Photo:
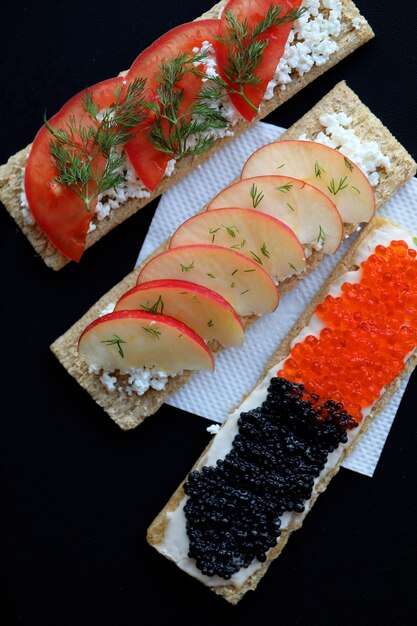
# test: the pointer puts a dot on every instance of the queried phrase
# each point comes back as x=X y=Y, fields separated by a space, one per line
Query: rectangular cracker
x=156 y=530
x=129 y=412
x=11 y=173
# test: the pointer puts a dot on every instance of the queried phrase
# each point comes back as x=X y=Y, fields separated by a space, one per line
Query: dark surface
x=77 y=494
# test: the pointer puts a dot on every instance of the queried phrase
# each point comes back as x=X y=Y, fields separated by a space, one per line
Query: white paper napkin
x=237 y=370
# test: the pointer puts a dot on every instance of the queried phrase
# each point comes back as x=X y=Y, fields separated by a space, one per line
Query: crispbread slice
x=157 y=529
x=128 y=412
x=349 y=39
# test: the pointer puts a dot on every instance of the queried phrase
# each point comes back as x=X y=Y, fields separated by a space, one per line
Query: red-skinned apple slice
x=325 y=168
x=127 y=339
x=306 y=210
x=241 y=281
x=203 y=310
x=257 y=235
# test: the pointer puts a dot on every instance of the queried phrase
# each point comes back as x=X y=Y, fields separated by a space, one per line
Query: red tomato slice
x=148 y=162
x=254 y=11
x=57 y=210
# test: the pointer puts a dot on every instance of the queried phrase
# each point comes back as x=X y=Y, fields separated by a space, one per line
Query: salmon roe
x=369 y=330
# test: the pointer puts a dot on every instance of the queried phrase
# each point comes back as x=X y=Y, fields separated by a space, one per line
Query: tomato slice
x=254 y=11
x=148 y=162
x=58 y=211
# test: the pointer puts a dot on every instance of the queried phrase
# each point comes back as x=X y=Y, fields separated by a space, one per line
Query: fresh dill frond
x=115 y=341
x=152 y=332
x=187 y=268
x=335 y=188
x=257 y=196
x=322 y=235
x=265 y=251
x=245 y=49
x=153 y=308
x=75 y=148
x=177 y=130
x=285 y=188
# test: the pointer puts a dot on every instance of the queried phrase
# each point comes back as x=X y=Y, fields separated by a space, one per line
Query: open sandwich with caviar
x=278 y=450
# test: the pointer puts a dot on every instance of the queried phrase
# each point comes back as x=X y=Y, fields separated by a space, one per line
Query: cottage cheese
x=358 y=22
x=310 y=42
x=113 y=198
x=213 y=429
x=223 y=105
x=134 y=381
x=338 y=133
x=23 y=203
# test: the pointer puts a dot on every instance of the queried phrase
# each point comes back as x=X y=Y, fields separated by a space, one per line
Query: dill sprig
x=334 y=187
x=322 y=235
x=152 y=332
x=179 y=132
x=74 y=149
x=153 y=308
x=257 y=196
x=245 y=49
x=115 y=341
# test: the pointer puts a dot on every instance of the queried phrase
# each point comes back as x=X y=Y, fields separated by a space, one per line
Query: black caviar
x=233 y=510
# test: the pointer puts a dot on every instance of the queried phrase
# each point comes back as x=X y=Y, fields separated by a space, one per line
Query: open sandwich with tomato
x=118 y=144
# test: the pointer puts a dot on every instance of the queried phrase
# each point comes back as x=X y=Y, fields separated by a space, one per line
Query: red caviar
x=370 y=329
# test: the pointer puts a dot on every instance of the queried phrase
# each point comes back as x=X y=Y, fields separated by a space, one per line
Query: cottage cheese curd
x=27 y=214
x=338 y=133
x=311 y=41
x=134 y=380
x=113 y=198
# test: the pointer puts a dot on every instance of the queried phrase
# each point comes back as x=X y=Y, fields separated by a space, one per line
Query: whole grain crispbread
x=157 y=529
x=129 y=412
x=348 y=40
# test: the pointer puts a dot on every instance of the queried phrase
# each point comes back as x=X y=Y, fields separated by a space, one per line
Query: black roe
x=233 y=510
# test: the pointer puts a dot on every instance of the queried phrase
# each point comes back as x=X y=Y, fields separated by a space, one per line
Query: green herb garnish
x=177 y=131
x=348 y=164
x=284 y=188
x=318 y=170
x=75 y=149
x=153 y=308
x=245 y=49
x=187 y=268
x=153 y=332
x=257 y=196
x=265 y=251
x=115 y=341
x=341 y=185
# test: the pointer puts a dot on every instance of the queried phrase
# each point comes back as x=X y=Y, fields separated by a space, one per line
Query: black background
x=77 y=494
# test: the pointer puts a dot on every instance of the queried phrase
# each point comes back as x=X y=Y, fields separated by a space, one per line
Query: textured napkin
x=238 y=369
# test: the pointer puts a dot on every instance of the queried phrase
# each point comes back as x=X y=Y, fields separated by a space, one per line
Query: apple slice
x=126 y=339
x=203 y=310
x=307 y=211
x=325 y=168
x=243 y=282
x=257 y=235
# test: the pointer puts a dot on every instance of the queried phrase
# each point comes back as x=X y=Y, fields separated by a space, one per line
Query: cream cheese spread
x=175 y=543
